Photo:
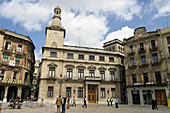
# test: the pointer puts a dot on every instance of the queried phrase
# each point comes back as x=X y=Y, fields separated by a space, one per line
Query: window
x=7 y=46
x=143 y=59
x=112 y=92
x=132 y=60
x=91 y=57
x=69 y=73
x=5 y=58
x=169 y=50
x=91 y=73
x=155 y=57
x=68 y=91
x=133 y=78
x=102 y=93
x=112 y=75
x=131 y=48
x=15 y=75
x=80 y=74
x=113 y=47
x=111 y=59
x=141 y=46
x=17 y=60
x=80 y=92
x=53 y=54
x=2 y=74
x=81 y=56
x=168 y=39
x=153 y=44
x=122 y=61
x=158 y=77
x=101 y=58
x=70 y=55
x=50 y=91
x=145 y=78
x=51 y=71
x=102 y=75
x=19 y=49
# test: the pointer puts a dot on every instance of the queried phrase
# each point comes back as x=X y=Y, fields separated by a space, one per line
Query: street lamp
x=60 y=81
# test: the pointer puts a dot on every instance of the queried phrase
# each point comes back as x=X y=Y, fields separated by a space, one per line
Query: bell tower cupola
x=55 y=32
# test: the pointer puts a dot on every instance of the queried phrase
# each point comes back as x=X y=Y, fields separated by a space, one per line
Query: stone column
x=5 y=94
x=141 y=97
x=87 y=92
x=19 y=92
x=129 y=97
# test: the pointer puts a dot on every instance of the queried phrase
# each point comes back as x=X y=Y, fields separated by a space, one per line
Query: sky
x=88 y=23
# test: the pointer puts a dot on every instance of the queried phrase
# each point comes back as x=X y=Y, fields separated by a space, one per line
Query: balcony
x=131 y=52
x=4 y=62
x=19 y=53
x=7 y=51
x=132 y=66
x=143 y=64
x=141 y=50
x=92 y=78
x=156 y=62
x=153 y=48
x=15 y=81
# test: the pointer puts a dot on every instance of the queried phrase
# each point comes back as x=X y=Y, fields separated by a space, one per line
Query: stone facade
x=146 y=66
x=16 y=65
x=79 y=71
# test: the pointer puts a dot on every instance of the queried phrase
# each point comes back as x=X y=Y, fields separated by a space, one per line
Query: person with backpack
x=63 y=104
x=116 y=102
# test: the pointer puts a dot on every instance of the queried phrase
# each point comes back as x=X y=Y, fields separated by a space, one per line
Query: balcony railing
x=143 y=64
x=156 y=62
x=19 y=53
x=93 y=78
x=131 y=52
x=132 y=66
x=153 y=48
x=7 y=51
x=14 y=81
x=141 y=50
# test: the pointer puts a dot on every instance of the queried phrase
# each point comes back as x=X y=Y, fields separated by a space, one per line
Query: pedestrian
x=58 y=103
x=85 y=100
x=63 y=104
x=156 y=107
x=108 y=100
x=111 y=100
x=154 y=104
x=74 y=101
x=116 y=102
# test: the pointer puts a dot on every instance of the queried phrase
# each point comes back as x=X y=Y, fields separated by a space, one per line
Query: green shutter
x=17 y=58
x=5 y=56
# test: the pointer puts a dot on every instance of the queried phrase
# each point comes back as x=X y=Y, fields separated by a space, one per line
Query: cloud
x=160 y=7
x=38 y=54
x=125 y=32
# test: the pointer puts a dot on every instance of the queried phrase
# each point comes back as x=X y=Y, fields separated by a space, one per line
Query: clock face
x=55 y=34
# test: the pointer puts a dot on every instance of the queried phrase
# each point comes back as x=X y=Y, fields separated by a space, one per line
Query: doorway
x=135 y=96
x=92 y=94
x=2 y=90
x=160 y=97
x=12 y=93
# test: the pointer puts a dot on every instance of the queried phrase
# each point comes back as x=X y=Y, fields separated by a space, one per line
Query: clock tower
x=55 y=33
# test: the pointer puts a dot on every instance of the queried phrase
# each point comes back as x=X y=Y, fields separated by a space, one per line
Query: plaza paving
x=92 y=108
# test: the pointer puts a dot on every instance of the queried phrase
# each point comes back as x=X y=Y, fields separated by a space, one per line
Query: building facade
x=35 y=82
x=79 y=71
x=16 y=65
x=146 y=66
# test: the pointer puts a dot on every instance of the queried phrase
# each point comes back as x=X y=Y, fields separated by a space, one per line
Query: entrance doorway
x=12 y=93
x=160 y=96
x=2 y=90
x=92 y=94
x=135 y=97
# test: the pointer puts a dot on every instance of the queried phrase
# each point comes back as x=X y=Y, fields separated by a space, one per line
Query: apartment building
x=16 y=65
x=146 y=66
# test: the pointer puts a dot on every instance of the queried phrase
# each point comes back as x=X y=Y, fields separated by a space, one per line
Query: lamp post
x=60 y=81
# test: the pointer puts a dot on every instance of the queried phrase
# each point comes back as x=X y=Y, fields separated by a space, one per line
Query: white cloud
x=162 y=7
x=38 y=54
x=125 y=32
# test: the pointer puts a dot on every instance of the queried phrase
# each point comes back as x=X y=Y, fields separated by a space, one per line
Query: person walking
x=108 y=100
x=111 y=100
x=156 y=107
x=116 y=102
x=154 y=104
x=58 y=103
x=85 y=100
x=74 y=101
x=63 y=104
